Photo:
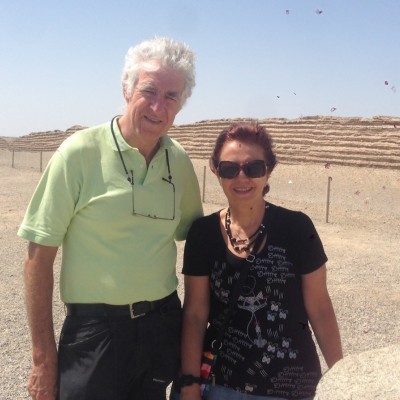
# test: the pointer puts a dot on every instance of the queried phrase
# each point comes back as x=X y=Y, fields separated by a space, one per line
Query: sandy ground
x=361 y=239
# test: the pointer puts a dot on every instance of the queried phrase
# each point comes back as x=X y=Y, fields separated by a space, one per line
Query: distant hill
x=365 y=142
x=40 y=141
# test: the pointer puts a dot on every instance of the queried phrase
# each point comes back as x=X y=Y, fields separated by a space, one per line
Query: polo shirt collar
x=165 y=141
x=118 y=136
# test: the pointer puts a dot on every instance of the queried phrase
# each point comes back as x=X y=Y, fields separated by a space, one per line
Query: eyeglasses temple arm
x=130 y=179
x=169 y=169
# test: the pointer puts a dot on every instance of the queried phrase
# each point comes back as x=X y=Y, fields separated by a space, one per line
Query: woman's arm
x=195 y=318
x=321 y=315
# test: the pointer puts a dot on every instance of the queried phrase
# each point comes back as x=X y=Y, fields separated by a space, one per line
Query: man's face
x=154 y=103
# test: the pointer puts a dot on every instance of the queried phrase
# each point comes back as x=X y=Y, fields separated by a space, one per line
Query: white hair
x=168 y=53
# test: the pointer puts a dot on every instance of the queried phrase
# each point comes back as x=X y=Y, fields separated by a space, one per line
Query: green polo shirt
x=84 y=203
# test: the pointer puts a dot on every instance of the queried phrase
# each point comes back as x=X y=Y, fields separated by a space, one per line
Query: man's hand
x=42 y=384
x=38 y=280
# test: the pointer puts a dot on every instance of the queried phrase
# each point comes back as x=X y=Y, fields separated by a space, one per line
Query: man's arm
x=38 y=279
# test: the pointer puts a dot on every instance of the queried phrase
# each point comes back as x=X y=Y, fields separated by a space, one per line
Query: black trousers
x=120 y=358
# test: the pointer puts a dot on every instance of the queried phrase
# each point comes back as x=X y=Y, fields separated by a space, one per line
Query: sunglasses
x=252 y=169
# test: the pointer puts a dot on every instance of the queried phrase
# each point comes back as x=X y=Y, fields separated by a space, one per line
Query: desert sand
x=361 y=239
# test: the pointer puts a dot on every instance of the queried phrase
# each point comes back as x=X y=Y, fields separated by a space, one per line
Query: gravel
x=361 y=240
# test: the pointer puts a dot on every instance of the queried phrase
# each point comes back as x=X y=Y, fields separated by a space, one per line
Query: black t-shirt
x=268 y=348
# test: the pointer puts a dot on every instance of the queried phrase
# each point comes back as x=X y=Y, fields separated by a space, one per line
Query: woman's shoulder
x=281 y=215
x=204 y=232
x=208 y=221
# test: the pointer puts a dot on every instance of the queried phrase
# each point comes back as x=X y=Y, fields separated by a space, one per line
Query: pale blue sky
x=61 y=61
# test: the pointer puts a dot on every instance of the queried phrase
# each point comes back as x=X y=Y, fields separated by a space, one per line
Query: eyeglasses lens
x=252 y=169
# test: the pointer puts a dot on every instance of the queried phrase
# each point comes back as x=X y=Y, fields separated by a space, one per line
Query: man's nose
x=158 y=103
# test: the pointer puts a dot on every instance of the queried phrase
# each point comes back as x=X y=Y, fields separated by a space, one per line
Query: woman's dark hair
x=252 y=133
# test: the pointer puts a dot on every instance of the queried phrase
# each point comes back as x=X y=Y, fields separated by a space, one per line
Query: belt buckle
x=132 y=311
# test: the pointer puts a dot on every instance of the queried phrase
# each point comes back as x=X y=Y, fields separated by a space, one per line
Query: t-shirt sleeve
x=311 y=253
x=52 y=205
x=197 y=248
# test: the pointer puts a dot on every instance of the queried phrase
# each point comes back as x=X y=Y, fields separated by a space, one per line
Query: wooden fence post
x=204 y=183
x=328 y=196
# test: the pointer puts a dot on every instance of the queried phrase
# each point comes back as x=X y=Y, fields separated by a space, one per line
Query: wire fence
x=323 y=193
x=37 y=160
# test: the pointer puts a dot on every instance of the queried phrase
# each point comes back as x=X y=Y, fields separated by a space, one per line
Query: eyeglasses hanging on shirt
x=131 y=180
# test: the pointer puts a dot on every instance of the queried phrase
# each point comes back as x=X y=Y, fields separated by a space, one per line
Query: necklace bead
x=238 y=244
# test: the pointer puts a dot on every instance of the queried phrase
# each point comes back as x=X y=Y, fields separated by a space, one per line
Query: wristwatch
x=187 y=380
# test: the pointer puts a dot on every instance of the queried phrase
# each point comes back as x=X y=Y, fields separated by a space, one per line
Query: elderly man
x=116 y=197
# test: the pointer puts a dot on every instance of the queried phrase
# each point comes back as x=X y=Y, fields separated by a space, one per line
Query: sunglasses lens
x=255 y=169
x=228 y=169
x=252 y=169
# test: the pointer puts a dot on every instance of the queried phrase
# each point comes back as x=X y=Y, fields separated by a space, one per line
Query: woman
x=267 y=351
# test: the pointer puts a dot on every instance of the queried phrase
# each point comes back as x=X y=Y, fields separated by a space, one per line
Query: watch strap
x=188 y=380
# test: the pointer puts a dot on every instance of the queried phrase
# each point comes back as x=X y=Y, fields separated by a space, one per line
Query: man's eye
x=148 y=91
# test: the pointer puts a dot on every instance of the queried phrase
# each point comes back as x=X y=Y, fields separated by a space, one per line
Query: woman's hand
x=191 y=392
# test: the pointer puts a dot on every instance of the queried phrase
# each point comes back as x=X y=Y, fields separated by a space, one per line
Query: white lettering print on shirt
x=276 y=270
x=263 y=301
x=263 y=336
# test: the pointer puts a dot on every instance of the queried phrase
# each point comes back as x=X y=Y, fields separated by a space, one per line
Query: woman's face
x=242 y=190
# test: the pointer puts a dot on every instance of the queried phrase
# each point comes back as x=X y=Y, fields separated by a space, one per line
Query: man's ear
x=126 y=97
x=125 y=92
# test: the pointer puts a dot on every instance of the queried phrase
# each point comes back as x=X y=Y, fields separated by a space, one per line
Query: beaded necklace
x=238 y=244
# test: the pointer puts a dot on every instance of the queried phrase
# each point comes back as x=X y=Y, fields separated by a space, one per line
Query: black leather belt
x=133 y=310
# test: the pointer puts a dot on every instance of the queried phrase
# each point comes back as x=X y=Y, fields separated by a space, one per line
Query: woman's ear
x=212 y=167
x=267 y=187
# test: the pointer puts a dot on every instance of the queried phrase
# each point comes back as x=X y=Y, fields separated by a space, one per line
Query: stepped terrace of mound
x=350 y=141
